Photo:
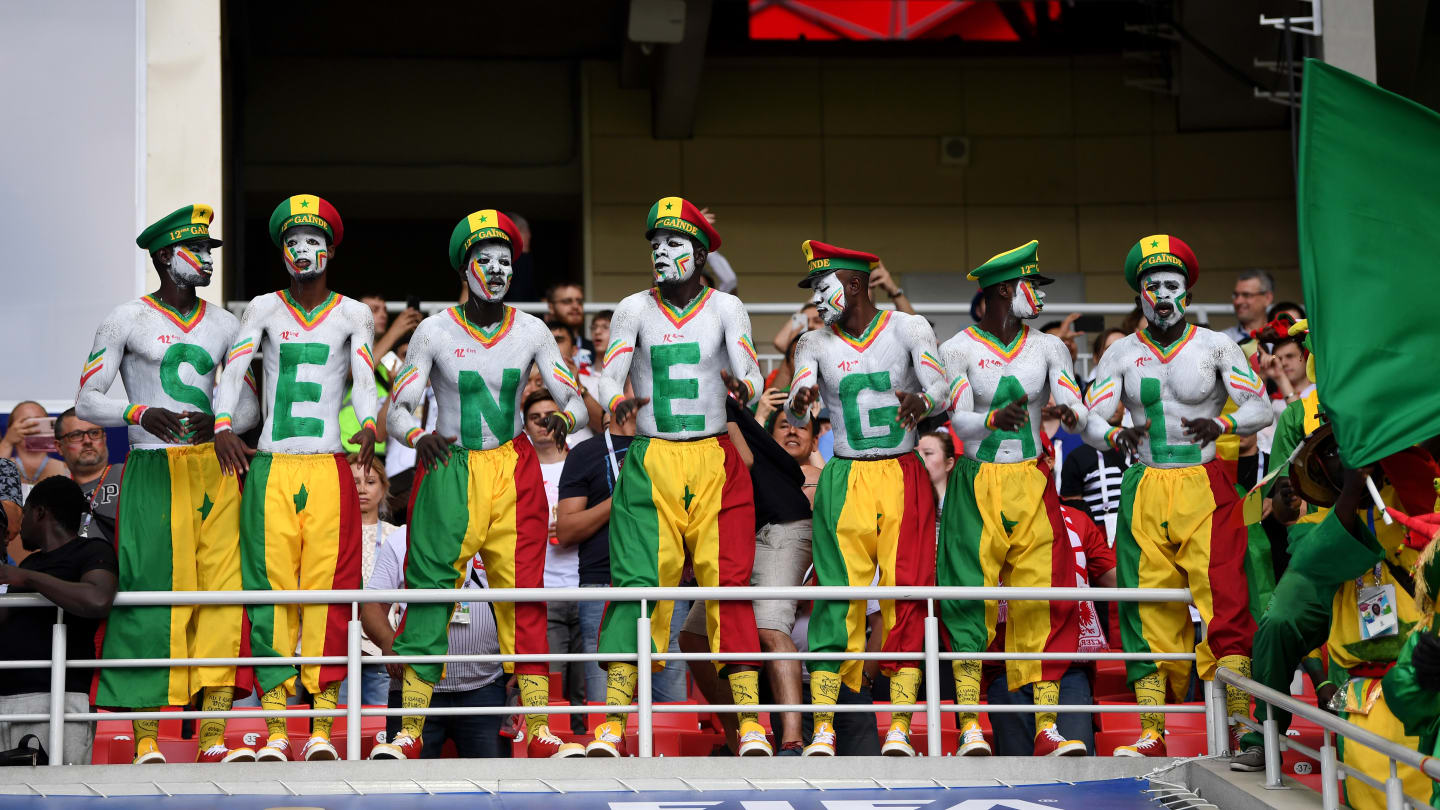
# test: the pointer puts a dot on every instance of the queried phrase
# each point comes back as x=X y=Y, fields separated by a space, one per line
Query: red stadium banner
x=969 y=20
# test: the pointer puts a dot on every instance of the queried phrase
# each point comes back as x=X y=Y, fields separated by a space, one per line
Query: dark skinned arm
x=91 y=597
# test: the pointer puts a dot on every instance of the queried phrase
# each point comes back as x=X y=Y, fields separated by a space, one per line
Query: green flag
x=1369 y=225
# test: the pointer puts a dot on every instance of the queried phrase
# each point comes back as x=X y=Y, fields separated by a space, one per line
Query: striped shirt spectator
x=472 y=629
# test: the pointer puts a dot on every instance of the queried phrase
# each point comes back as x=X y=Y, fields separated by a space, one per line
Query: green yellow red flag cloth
x=1368 y=208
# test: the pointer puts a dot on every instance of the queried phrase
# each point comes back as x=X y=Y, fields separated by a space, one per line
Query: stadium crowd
x=983 y=463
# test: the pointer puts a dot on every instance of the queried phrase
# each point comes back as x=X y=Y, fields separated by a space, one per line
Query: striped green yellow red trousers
x=490 y=502
x=1183 y=527
x=177 y=529
x=672 y=498
x=875 y=514
x=1002 y=523
x=299 y=530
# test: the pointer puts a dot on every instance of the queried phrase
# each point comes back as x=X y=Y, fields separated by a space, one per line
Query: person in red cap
x=684 y=489
x=1181 y=522
x=300 y=515
x=879 y=373
x=477 y=481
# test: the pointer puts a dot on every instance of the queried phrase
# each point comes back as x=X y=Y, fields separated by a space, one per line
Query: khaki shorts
x=782 y=556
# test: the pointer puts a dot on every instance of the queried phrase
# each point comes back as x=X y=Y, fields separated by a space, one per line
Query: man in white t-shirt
x=562 y=563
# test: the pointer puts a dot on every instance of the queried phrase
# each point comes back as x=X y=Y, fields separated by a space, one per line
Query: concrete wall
x=848 y=152
x=68 y=186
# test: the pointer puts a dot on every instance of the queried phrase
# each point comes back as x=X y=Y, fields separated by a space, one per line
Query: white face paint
x=829 y=298
x=1163 y=297
x=673 y=256
x=190 y=264
x=488 y=270
x=1027 y=301
x=306 y=250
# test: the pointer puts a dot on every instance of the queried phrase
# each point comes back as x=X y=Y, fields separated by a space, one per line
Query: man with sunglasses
x=82 y=445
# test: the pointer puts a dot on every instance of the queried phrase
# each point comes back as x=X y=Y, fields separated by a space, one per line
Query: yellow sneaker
x=147 y=752
x=1150 y=744
x=609 y=740
x=972 y=741
x=822 y=744
x=753 y=742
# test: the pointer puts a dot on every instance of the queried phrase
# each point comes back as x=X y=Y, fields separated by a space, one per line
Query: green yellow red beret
x=821 y=258
x=677 y=214
x=1161 y=250
x=1020 y=262
x=306 y=209
x=181 y=225
x=484 y=224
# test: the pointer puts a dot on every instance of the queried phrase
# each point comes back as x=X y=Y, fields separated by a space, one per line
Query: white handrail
x=1390 y=749
x=831 y=592
x=644 y=707
x=1202 y=311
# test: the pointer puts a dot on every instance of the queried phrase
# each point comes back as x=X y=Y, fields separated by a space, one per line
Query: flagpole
x=1379 y=504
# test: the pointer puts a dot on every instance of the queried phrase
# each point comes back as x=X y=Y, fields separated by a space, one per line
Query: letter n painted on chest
x=478 y=409
x=855 y=424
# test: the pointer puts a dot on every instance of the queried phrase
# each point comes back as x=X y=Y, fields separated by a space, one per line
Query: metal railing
x=1202 y=311
x=1330 y=766
x=644 y=706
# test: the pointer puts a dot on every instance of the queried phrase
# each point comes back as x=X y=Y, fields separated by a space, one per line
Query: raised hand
x=558 y=428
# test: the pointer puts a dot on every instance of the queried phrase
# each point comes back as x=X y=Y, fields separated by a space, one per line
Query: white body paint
x=441 y=350
x=1038 y=364
x=829 y=298
x=135 y=340
x=488 y=270
x=1028 y=300
x=1163 y=287
x=190 y=264
x=672 y=255
x=858 y=384
x=1193 y=383
x=308 y=398
x=685 y=354
x=306 y=250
